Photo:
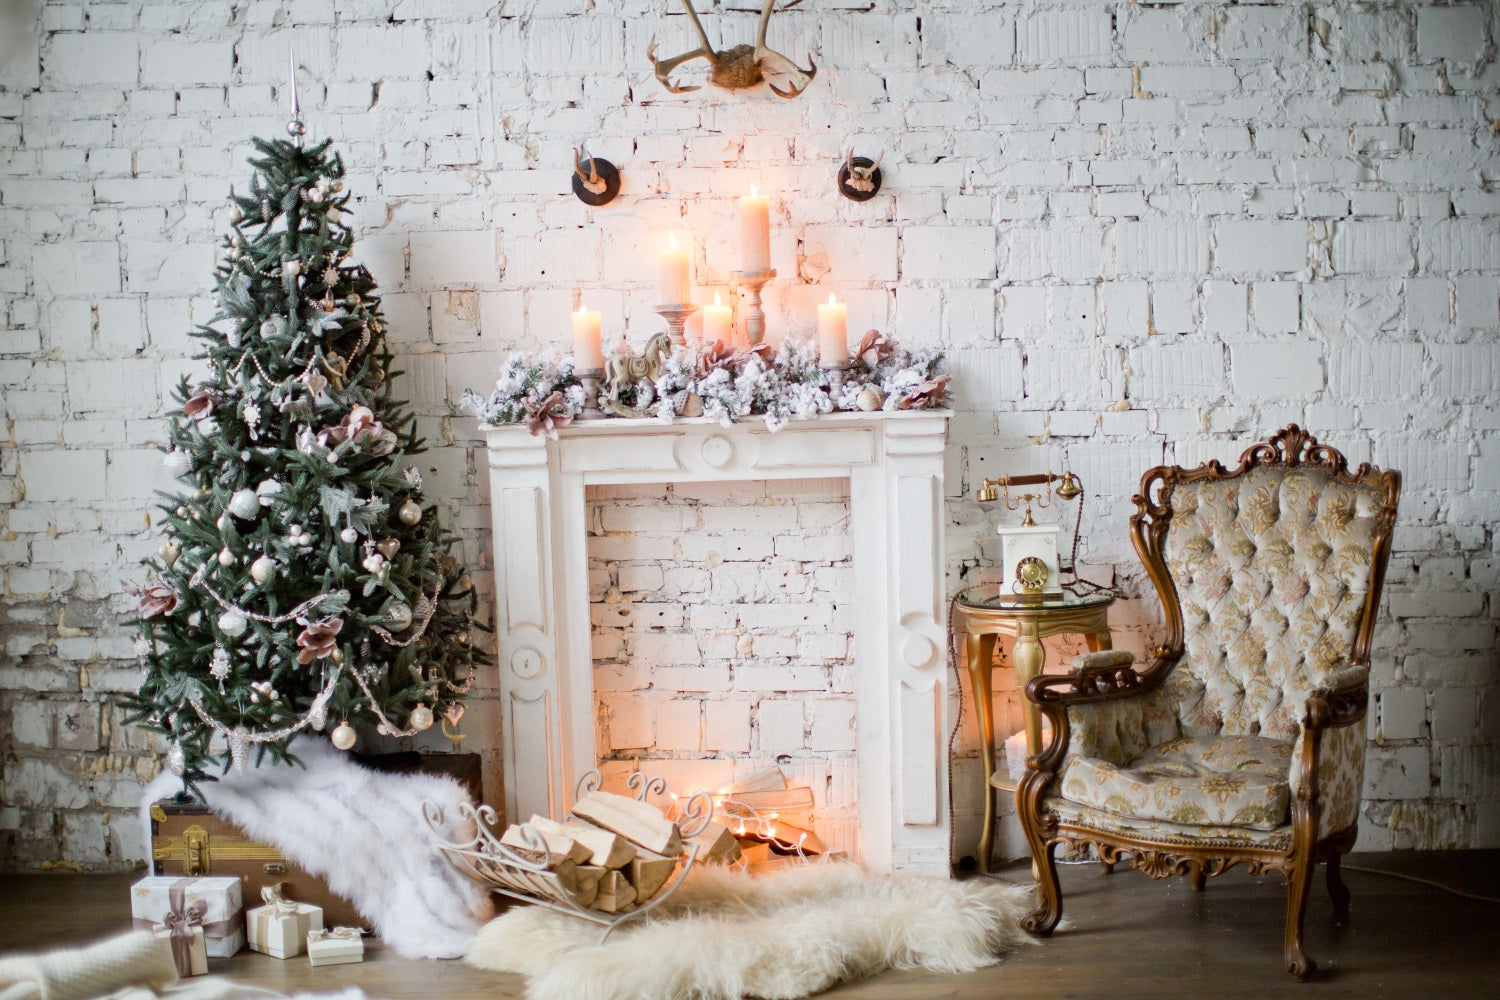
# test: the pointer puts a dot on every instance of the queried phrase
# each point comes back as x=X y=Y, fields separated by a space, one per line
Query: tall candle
x=755 y=232
x=718 y=319
x=587 y=350
x=674 y=275
x=833 y=338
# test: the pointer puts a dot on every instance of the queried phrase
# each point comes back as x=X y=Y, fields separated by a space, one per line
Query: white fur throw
x=364 y=833
x=725 y=934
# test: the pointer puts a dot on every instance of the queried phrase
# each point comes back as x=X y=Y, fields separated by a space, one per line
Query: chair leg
x=1199 y=878
x=1337 y=890
x=1299 y=881
x=1042 y=920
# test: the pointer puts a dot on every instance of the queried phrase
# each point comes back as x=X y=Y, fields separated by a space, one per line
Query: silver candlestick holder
x=836 y=371
x=676 y=314
x=592 y=379
x=755 y=317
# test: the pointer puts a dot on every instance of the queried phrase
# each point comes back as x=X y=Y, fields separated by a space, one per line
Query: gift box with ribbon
x=173 y=905
x=338 y=946
x=280 y=927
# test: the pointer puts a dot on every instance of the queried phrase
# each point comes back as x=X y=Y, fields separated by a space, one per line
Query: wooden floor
x=1124 y=936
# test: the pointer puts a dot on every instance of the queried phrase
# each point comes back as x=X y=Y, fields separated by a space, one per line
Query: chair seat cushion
x=1209 y=781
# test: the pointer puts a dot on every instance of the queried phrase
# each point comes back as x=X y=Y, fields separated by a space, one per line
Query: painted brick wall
x=1142 y=232
x=723 y=641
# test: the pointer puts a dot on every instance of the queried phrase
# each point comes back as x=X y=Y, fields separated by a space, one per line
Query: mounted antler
x=591 y=181
x=737 y=68
x=861 y=177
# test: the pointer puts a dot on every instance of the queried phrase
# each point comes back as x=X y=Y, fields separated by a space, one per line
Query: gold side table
x=987 y=615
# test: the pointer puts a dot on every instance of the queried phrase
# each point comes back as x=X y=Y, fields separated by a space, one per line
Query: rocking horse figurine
x=625 y=370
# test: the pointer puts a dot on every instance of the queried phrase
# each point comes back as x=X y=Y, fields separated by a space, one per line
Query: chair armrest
x=1101 y=676
x=1341 y=700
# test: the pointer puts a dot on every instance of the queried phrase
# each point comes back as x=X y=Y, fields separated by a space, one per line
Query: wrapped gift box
x=280 y=927
x=185 y=945
x=212 y=903
x=340 y=946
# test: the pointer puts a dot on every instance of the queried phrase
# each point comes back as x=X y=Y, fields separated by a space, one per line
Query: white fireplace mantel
x=894 y=464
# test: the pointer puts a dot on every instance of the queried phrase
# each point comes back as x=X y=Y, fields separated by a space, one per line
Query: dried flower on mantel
x=725 y=384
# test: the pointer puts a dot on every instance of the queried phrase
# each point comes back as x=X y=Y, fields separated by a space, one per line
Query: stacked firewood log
x=614 y=853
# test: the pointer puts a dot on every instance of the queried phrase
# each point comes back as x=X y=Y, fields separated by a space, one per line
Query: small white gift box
x=280 y=927
x=212 y=903
x=339 y=946
x=185 y=944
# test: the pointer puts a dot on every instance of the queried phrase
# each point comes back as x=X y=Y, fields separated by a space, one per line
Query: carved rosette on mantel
x=894 y=464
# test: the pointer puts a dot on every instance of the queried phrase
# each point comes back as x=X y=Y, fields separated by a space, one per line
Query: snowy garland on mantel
x=543 y=391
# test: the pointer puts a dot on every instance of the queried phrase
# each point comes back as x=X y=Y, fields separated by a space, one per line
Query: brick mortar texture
x=1141 y=232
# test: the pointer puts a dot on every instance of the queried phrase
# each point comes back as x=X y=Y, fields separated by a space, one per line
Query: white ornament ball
x=226 y=558
x=262 y=569
x=292 y=267
x=178 y=462
x=169 y=551
x=374 y=562
x=304 y=540
x=266 y=491
x=208 y=427
x=409 y=512
x=235 y=213
x=399 y=615
x=232 y=624
x=343 y=736
x=244 y=503
x=293 y=530
x=421 y=717
x=349 y=536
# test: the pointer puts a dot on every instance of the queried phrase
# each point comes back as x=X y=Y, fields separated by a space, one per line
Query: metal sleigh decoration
x=524 y=875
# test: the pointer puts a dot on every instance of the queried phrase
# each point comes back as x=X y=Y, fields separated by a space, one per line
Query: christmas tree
x=302 y=582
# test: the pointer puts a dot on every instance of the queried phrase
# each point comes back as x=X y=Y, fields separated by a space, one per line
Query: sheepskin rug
x=364 y=833
x=726 y=934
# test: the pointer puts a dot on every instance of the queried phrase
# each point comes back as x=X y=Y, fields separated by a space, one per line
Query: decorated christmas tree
x=302 y=583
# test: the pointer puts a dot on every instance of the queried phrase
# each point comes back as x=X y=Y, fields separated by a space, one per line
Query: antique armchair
x=1242 y=742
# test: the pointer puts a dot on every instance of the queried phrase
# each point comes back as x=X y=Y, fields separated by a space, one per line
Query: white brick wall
x=752 y=668
x=1136 y=241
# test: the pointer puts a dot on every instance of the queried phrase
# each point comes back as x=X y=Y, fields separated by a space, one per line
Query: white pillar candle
x=587 y=352
x=675 y=287
x=833 y=339
x=718 y=321
x=755 y=232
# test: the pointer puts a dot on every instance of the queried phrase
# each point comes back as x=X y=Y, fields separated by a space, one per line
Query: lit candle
x=718 y=320
x=755 y=232
x=674 y=275
x=833 y=339
x=587 y=352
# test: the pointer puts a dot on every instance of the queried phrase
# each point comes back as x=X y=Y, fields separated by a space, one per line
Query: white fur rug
x=363 y=832
x=792 y=933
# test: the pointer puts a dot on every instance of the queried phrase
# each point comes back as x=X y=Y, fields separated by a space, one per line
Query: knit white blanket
x=364 y=833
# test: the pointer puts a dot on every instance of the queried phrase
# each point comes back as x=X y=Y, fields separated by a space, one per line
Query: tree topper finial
x=294 y=127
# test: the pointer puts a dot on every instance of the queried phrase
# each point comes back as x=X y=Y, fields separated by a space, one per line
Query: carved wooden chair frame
x=1323 y=710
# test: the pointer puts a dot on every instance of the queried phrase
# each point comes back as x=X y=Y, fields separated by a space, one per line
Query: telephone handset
x=1029 y=556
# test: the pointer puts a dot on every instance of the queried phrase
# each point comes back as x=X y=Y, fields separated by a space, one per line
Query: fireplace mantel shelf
x=894 y=464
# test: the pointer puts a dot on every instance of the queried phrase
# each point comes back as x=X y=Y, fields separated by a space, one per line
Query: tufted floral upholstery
x=1272 y=570
x=1270 y=574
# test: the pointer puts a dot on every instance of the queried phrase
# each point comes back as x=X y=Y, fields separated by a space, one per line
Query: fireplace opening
x=722 y=639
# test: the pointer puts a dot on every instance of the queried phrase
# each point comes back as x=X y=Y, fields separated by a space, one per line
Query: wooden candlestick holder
x=750 y=283
x=676 y=314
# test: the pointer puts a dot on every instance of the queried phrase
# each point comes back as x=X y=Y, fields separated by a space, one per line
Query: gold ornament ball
x=343 y=736
x=409 y=513
x=421 y=717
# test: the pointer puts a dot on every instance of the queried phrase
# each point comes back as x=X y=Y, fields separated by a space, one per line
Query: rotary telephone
x=1029 y=554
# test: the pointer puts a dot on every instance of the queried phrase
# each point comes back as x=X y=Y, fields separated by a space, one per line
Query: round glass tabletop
x=990 y=598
